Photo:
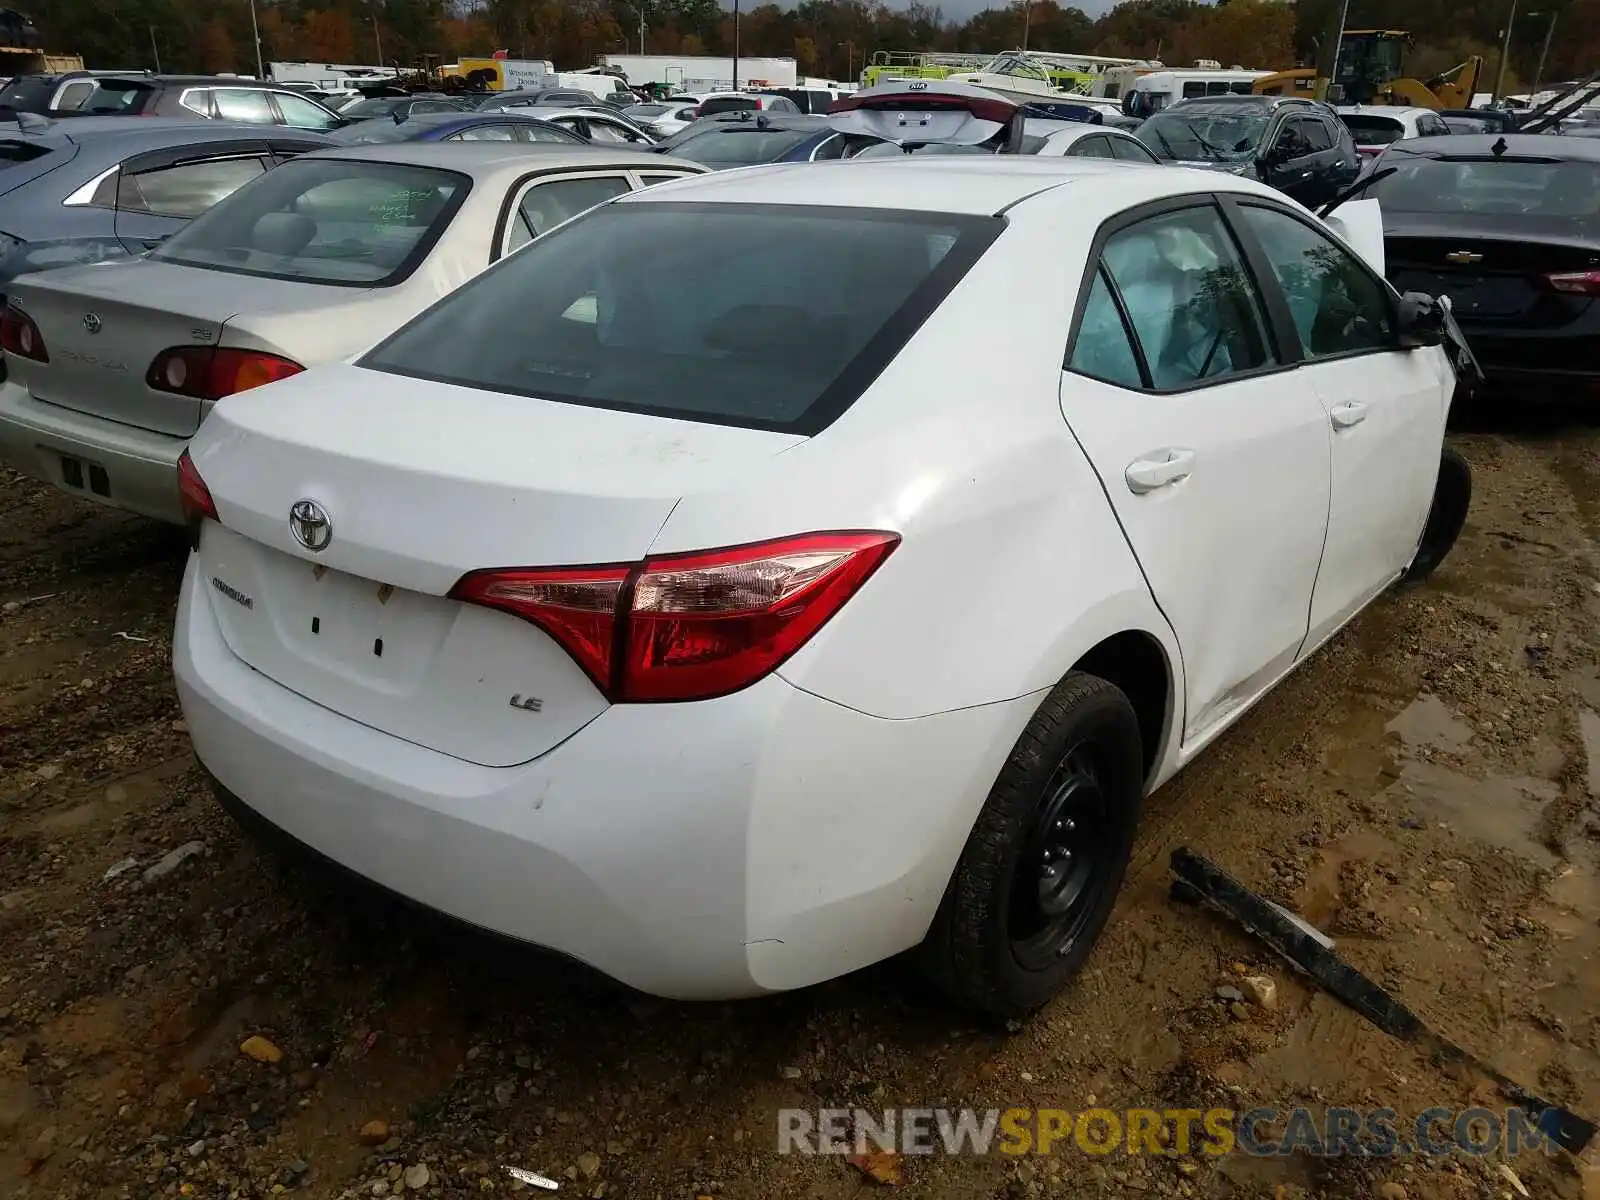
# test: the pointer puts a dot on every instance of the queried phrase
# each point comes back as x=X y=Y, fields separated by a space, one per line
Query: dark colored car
x=102 y=187
x=539 y=97
x=457 y=127
x=1300 y=147
x=401 y=108
x=1507 y=226
x=46 y=95
x=1483 y=120
x=743 y=139
x=814 y=101
x=208 y=97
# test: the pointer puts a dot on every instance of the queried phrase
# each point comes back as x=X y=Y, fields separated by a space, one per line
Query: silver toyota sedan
x=113 y=367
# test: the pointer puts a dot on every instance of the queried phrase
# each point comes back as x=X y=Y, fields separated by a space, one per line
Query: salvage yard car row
x=769 y=571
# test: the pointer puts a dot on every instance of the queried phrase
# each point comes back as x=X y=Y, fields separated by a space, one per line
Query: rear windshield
x=29 y=93
x=1374 y=131
x=380 y=107
x=1488 y=186
x=722 y=104
x=765 y=316
x=369 y=133
x=117 y=96
x=740 y=147
x=325 y=221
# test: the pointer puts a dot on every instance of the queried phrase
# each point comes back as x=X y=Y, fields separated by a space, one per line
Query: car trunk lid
x=104 y=325
x=421 y=483
x=1494 y=270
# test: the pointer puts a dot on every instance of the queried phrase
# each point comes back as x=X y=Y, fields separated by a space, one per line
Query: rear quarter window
x=763 y=316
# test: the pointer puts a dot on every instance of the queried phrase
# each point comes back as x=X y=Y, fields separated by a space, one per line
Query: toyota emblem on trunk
x=91 y=322
x=311 y=525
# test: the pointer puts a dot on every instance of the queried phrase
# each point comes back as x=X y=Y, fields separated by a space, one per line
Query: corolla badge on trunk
x=91 y=322
x=311 y=525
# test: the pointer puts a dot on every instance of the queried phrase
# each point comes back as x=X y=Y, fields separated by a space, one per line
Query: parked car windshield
x=324 y=221
x=749 y=315
x=1197 y=131
x=1489 y=186
x=737 y=147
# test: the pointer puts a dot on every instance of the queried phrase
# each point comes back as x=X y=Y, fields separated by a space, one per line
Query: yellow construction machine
x=1369 y=71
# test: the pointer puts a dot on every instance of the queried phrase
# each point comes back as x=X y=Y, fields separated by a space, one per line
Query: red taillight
x=210 y=372
x=1576 y=283
x=20 y=336
x=1374 y=151
x=688 y=626
x=193 y=494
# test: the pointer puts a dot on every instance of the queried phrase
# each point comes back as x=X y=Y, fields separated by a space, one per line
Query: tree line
x=828 y=38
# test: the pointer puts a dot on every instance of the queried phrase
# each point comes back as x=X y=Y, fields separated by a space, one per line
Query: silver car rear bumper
x=91 y=457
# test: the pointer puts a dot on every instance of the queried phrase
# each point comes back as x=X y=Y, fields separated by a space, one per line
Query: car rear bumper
x=761 y=841
x=119 y=465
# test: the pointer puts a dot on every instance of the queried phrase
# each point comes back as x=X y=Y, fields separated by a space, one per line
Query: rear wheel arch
x=1137 y=664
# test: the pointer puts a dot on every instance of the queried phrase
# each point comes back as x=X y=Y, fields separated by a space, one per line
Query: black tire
x=1452 y=496
x=996 y=944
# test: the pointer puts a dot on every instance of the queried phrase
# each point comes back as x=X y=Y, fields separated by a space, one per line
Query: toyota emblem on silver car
x=91 y=322
x=311 y=525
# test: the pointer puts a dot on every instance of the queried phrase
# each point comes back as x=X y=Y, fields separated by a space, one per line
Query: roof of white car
x=484 y=159
x=980 y=184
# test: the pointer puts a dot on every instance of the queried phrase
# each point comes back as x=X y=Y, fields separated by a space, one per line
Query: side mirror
x=1421 y=320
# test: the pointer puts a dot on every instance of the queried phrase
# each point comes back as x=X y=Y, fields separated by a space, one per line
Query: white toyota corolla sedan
x=773 y=571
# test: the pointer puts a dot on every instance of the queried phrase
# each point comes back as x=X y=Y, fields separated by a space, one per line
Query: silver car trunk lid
x=421 y=483
x=104 y=325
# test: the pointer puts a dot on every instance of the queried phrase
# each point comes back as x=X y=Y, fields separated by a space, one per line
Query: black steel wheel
x=1041 y=868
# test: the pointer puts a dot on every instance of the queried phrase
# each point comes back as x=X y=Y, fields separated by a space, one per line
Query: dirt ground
x=1427 y=790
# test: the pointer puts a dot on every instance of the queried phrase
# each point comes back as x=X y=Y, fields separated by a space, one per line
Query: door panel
x=1385 y=409
x=1220 y=483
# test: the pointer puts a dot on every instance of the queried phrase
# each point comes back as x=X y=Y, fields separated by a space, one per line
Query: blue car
x=456 y=127
x=97 y=188
x=743 y=139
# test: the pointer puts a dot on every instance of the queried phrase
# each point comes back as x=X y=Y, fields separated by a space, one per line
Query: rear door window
x=118 y=96
x=1192 y=304
x=332 y=221
x=754 y=315
x=546 y=203
x=187 y=189
x=244 y=104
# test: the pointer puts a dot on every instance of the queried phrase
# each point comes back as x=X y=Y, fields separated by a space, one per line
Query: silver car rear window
x=329 y=221
x=768 y=316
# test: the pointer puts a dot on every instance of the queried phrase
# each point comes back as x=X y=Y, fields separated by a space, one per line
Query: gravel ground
x=1422 y=790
